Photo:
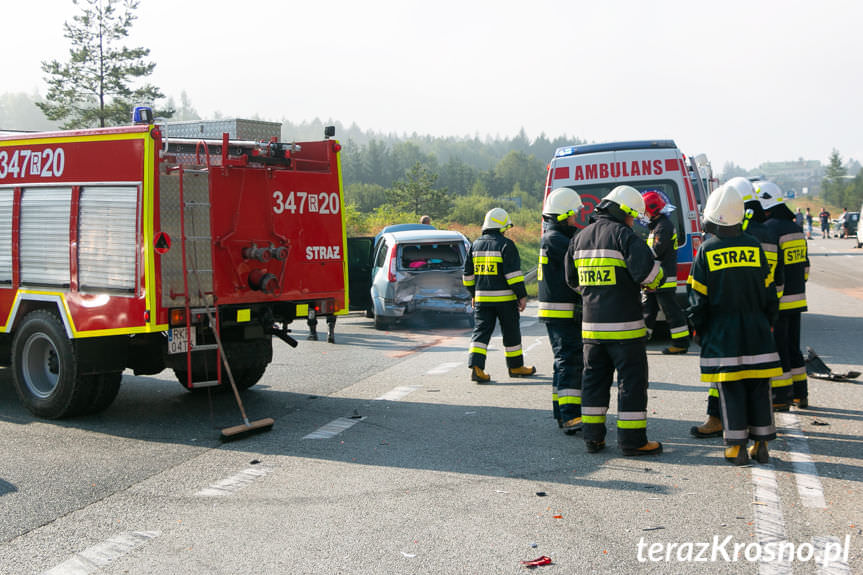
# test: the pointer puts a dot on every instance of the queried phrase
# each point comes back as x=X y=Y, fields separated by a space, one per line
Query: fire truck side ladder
x=192 y=269
x=209 y=301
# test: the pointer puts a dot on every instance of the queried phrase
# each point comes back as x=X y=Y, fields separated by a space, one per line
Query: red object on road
x=544 y=560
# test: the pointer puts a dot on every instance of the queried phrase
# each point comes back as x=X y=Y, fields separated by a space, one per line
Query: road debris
x=544 y=560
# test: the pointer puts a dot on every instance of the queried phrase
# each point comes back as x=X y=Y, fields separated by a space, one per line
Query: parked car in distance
x=418 y=271
x=846 y=225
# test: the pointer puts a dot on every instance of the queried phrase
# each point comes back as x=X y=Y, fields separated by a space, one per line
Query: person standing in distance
x=608 y=263
x=663 y=241
x=732 y=303
x=560 y=306
x=492 y=275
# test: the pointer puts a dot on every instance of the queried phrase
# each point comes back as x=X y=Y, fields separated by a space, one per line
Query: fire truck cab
x=593 y=170
x=128 y=248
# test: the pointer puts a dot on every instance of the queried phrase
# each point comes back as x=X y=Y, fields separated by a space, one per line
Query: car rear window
x=426 y=256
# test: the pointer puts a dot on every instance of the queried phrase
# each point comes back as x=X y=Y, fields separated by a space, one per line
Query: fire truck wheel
x=249 y=360
x=44 y=367
x=105 y=387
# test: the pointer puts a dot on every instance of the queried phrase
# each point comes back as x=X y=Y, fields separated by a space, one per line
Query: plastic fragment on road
x=540 y=494
x=544 y=560
x=409 y=555
x=816 y=368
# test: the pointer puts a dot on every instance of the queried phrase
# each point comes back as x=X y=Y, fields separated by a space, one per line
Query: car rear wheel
x=382 y=323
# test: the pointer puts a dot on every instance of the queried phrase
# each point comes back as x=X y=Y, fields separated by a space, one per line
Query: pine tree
x=834 y=179
x=94 y=87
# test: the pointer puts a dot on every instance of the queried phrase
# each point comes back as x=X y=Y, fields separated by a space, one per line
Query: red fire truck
x=128 y=248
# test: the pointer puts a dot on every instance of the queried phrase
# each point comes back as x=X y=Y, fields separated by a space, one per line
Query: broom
x=246 y=428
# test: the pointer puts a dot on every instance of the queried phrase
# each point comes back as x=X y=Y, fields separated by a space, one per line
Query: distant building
x=795 y=175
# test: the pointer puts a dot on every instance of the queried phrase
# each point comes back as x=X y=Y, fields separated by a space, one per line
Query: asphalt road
x=385 y=458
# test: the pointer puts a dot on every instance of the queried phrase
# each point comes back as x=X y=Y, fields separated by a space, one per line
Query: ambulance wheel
x=45 y=366
x=105 y=387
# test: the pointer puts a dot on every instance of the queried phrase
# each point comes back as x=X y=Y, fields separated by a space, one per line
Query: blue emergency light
x=142 y=115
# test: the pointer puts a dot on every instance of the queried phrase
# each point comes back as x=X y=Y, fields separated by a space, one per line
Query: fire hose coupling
x=280 y=253
x=261 y=280
x=255 y=253
x=264 y=255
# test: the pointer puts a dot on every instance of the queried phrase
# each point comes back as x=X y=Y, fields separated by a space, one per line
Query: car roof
x=403 y=227
x=425 y=235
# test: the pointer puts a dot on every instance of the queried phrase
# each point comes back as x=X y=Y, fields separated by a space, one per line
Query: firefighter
x=608 y=263
x=312 y=322
x=753 y=224
x=794 y=253
x=492 y=275
x=560 y=306
x=663 y=241
x=732 y=304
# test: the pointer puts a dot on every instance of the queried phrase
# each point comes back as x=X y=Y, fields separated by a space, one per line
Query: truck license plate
x=177 y=340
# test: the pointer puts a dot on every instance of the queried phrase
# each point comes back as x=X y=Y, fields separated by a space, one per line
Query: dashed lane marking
x=398 y=393
x=805 y=472
x=443 y=368
x=234 y=483
x=94 y=558
x=831 y=565
x=341 y=424
x=533 y=345
x=769 y=523
x=333 y=428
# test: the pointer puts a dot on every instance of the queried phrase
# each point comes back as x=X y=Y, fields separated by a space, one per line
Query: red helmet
x=653 y=203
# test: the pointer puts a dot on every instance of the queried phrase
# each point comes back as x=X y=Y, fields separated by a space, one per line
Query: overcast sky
x=742 y=81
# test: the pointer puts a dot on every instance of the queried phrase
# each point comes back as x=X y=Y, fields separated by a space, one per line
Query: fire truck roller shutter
x=45 y=371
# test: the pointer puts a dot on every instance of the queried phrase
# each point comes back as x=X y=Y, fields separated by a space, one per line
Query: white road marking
x=443 y=368
x=94 y=558
x=398 y=393
x=341 y=424
x=533 y=345
x=234 y=483
x=769 y=523
x=333 y=428
x=836 y=566
x=805 y=473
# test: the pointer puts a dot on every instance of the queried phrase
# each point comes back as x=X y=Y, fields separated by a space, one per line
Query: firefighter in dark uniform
x=608 y=263
x=753 y=224
x=492 y=275
x=794 y=253
x=663 y=241
x=732 y=304
x=560 y=306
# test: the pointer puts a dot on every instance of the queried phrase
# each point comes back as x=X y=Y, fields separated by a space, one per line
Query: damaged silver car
x=419 y=271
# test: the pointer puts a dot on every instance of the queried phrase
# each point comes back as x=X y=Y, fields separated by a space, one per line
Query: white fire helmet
x=497 y=219
x=743 y=187
x=628 y=199
x=769 y=194
x=724 y=207
x=562 y=203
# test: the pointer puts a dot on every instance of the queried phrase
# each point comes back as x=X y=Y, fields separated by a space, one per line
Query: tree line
x=838 y=188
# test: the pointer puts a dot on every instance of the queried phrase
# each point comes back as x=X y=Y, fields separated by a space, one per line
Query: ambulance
x=593 y=170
